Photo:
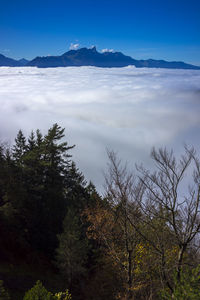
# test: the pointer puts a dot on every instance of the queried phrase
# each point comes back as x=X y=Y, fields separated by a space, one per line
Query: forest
x=61 y=239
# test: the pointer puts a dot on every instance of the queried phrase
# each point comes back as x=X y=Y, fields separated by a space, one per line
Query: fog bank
x=125 y=109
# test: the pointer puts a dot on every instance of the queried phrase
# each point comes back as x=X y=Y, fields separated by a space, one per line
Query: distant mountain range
x=6 y=61
x=91 y=57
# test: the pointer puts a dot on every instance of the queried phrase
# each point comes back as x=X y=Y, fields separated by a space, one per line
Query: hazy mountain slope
x=6 y=61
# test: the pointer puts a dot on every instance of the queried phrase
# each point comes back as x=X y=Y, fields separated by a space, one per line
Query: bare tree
x=137 y=216
x=163 y=199
x=162 y=208
x=119 y=186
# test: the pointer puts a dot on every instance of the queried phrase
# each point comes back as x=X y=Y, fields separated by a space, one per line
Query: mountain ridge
x=91 y=57
x=10 y=62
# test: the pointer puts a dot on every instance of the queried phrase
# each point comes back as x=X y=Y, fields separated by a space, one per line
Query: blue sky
x=159 y=29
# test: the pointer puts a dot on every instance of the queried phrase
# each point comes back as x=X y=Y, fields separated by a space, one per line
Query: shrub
x=38 y=292
x=188 y=288
x=63 y=295
x=3 y=293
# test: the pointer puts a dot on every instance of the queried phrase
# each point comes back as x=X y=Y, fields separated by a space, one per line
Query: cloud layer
x=126 y=109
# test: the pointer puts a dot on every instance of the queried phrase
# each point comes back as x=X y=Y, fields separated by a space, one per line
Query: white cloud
x=74 y=46
x=125 y=109
x=107 y=50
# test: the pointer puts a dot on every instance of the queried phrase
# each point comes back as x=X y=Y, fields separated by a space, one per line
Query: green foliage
x=73 y=248
x=3 y=293
x=63 y=295
x=188 y=288
x=49 y=214
x=37 y=186
x=38 y=292
x=20 y=146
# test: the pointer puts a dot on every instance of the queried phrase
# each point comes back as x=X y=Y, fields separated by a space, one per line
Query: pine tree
x=72 y=251
x=31 y=141
x=20 y=147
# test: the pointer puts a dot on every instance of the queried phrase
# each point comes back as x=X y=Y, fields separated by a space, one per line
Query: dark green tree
x=71 y=255
x=38 y=186
x=20 y=147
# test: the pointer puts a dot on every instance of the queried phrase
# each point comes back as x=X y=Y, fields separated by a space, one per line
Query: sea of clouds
x=128 y=110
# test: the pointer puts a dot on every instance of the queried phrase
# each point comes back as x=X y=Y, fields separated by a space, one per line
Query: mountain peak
x=9 y=62
x=93 y=48
x=23 y=61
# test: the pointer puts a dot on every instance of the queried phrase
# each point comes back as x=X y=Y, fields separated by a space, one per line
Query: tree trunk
x=130 y=276
x=180 y=260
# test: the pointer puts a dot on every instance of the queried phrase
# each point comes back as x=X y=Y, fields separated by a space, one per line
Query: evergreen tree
x=55 y=159
x=37 y=186
x=20 y=147
x=73 y=247
x=31 y=141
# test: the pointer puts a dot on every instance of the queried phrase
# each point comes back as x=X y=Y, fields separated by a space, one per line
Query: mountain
x=83 y=57
x=9 y=62
x=5 y=61
x=152 y=63
x=91 y=57
x=23 y=61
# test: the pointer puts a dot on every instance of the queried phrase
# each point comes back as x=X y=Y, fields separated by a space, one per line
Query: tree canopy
x=140 y=240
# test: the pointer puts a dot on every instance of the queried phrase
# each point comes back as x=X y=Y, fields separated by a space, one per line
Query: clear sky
x=159 y=29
